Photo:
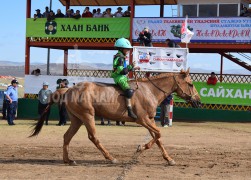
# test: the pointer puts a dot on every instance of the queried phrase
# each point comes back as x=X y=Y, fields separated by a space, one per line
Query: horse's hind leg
x=90 y=126
x=74 y=127
x=163 y=151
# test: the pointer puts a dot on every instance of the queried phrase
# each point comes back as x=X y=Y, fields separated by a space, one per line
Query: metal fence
x=197 y=77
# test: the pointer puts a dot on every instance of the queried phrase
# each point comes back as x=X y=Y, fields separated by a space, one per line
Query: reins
x=136 y=79
x=156 y=86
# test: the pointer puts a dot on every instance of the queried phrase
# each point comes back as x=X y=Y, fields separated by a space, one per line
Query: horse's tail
x=55 y=97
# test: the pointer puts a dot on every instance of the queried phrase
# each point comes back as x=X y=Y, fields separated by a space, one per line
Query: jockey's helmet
x=123 y=43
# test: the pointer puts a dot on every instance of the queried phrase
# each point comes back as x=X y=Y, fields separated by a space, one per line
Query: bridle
x=191 y=95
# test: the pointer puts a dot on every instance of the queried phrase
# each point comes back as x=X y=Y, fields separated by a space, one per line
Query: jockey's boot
x=129 y=109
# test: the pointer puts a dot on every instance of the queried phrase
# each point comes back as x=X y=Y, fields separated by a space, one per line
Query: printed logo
x=141 y=21
x=50 y=27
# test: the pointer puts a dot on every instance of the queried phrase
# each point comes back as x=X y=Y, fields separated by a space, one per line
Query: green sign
x=223 y=93
x=79 y=28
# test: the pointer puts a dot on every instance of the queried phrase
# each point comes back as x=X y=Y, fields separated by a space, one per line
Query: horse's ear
x=188 y=71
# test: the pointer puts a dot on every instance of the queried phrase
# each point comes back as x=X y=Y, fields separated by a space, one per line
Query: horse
x=87 y=99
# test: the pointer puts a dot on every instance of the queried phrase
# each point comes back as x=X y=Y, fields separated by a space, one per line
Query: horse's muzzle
x=195 y=104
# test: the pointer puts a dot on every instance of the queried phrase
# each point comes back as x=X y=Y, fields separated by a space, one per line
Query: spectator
x=77 y=15
x=212 y=79
x=127 y=13
x=68 y=14
x=98 y=14
x=87 y=13
x=103 y=121
x=12 y=99
x=164 y=111
x=51 y=16
x=59 y=14
x=119 y=12
x=72 y=12
x=36 y=72
x=145 y=37
x=245 y=13
x=62 y=83
x=108 y=13
x=43 y=97
x=38 y=15
x=4 y=110
x=93 y=12
x=171 y=44
x=47 y=12
x=141 y=38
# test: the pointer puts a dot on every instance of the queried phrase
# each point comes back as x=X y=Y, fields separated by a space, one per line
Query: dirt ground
x=201 y=150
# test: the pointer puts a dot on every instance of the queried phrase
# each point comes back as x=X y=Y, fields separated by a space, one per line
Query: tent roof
x=116 y=2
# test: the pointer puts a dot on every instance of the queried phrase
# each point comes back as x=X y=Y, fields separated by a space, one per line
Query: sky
x=13 y=27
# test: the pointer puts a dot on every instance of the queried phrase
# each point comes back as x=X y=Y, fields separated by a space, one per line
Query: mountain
x=16 y=69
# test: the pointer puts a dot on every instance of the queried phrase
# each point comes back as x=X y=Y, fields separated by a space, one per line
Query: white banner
x=160 y=59
x=33 y=83
x=216 y=30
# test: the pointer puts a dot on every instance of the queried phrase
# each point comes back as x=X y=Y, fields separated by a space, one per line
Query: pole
x=65 y=62
x=49 y=51
x=161 y=8
x=27 y=40
x=131 y=25
x=221 y=68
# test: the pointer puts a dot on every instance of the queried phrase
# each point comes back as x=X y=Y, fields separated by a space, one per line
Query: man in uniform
x=121 y=69
x=12 y=98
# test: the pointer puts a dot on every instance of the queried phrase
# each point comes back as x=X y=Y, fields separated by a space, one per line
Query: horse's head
x=186 y=90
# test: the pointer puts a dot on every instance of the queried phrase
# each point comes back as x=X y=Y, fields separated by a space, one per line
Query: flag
x=186 y=34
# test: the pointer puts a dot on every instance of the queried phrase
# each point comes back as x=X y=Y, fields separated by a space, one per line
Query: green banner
x=223 y=93
x=79 y=28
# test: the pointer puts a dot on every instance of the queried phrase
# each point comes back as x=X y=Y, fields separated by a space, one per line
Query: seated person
x=77 y=15
x=36 y=72
x=87 y=13
x=212 y=79
x=59 y=14
x=51 y=16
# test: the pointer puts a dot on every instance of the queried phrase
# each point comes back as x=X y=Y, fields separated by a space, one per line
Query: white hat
x=45 y=84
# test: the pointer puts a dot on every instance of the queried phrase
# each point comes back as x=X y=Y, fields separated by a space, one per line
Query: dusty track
x=201 y=151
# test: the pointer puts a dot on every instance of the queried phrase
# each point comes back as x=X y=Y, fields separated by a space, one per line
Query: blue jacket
x=12 y=92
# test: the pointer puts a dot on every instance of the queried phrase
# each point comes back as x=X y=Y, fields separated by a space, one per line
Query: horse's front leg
x=151 y=128
x=165 y=155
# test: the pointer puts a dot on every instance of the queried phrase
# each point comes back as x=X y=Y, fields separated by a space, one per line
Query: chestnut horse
x=87 y=99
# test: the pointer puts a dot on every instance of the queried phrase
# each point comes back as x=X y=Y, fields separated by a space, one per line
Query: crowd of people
x=70 y=13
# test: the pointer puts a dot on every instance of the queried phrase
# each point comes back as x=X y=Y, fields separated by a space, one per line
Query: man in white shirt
x=98 y=14
x=119 y=13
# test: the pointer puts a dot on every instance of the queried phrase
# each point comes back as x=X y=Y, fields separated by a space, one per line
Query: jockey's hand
x=133 y=64
x=137 y=68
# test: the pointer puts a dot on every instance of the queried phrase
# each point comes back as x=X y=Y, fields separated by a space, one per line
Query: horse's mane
x=159 y=76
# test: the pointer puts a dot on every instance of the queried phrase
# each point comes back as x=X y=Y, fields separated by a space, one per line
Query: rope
x=136 y=79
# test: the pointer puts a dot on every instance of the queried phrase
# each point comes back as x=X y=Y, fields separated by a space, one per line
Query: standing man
x=145 y=37
x=12 y=98
x=165 y=109
x=43 y=97
x=172 y=44
x=63 y=83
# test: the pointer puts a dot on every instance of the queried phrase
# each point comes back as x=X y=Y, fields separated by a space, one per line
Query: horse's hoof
x=171 y=163
x=114 y=161
x=139 y=149
x=72 y=163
